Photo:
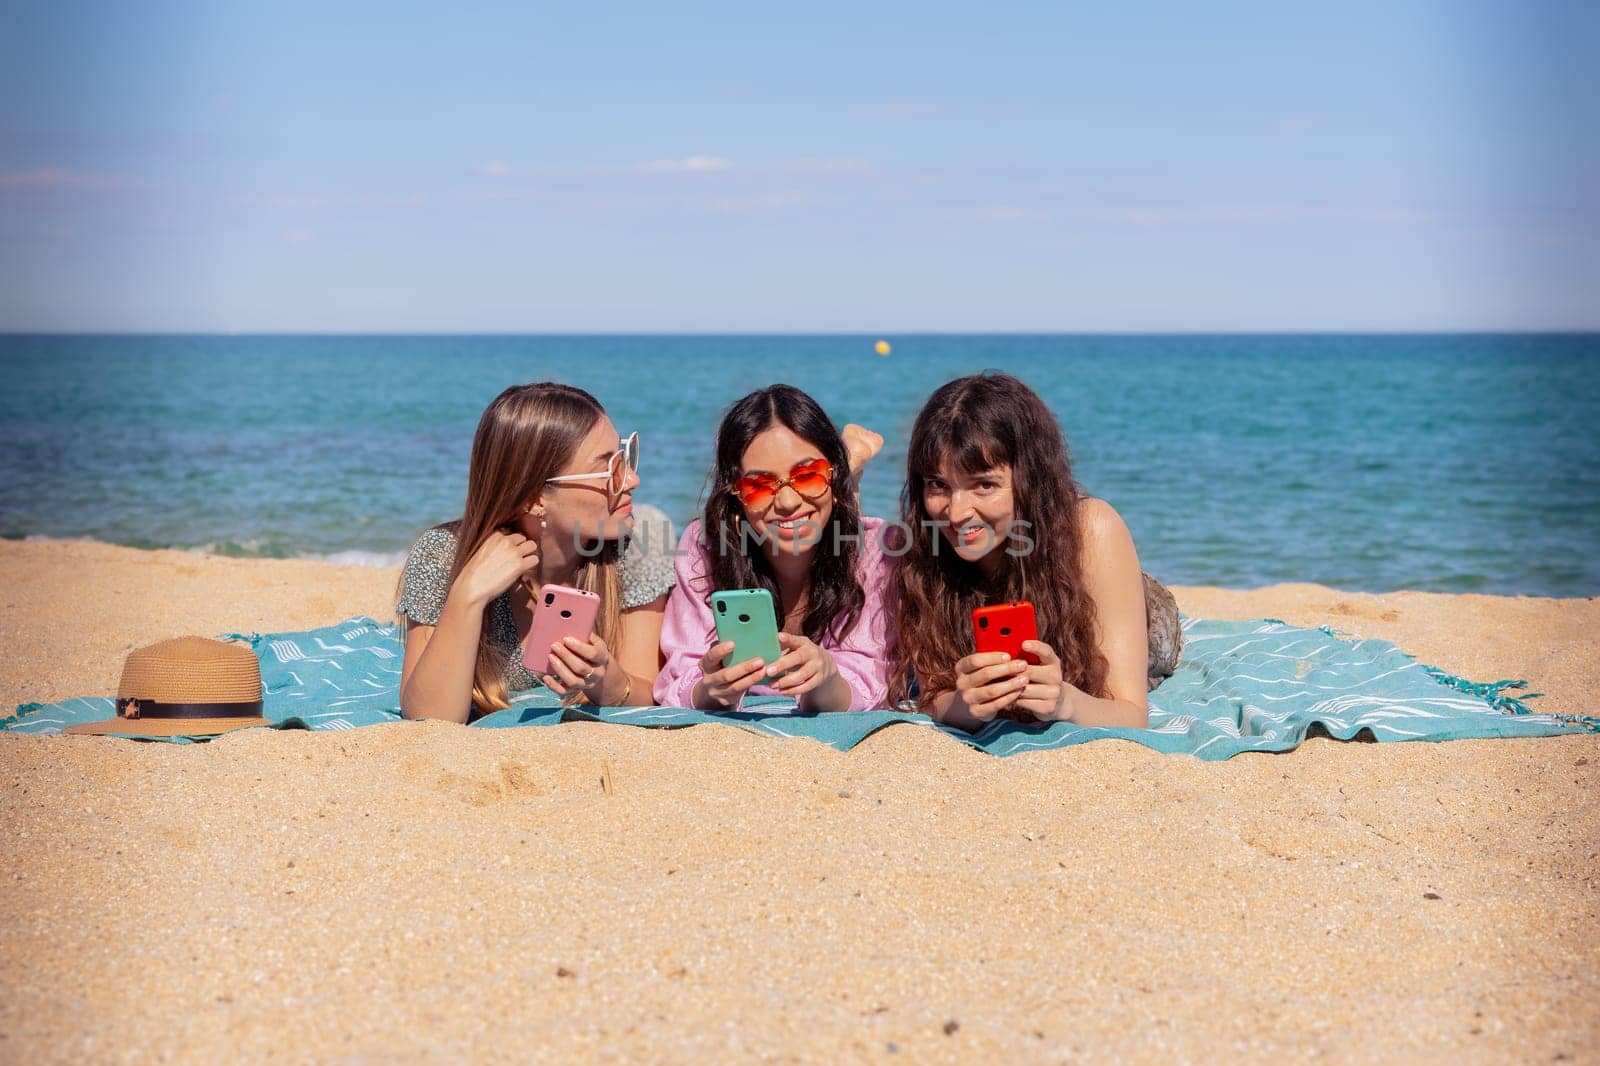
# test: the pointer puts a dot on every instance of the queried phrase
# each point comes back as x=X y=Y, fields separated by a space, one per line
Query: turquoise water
x=1453 y=463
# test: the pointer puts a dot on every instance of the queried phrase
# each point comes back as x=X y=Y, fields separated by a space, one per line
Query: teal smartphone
x=746 y=617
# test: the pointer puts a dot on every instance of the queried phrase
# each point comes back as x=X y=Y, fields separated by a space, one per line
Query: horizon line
x=1523 y=332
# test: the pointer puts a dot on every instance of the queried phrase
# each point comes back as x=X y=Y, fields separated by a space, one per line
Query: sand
x=426 y=892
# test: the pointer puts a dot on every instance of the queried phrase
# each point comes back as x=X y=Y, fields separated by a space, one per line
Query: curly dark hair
x=835 y=599
x=975 y=424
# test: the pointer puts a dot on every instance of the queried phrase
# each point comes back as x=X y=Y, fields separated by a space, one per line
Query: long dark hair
x=835 y=599
x=975 y=424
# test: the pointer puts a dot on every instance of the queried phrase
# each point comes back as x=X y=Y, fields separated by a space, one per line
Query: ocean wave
x=357 y=557
x=248 y=548
x=254 y=548
x=32 y=537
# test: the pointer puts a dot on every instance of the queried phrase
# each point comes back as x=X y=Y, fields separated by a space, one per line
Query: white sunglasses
x=623 y=461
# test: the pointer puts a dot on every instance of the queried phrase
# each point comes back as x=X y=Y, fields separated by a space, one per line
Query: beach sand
x=425 y=892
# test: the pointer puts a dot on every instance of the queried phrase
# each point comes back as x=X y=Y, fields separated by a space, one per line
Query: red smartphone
x=561 y=612
x=1003 y=627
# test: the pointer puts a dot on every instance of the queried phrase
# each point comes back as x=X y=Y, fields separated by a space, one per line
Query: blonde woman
x=549 y=501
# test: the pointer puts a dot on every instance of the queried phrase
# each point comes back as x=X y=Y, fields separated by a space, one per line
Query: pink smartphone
x=561 y=612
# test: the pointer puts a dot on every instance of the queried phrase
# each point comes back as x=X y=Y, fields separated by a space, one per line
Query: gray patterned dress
x=645 y=571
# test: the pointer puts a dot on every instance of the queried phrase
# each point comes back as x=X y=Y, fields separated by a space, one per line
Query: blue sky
x=882 y=168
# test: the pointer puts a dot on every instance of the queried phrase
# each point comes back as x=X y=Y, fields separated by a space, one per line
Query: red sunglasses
x=810 y=479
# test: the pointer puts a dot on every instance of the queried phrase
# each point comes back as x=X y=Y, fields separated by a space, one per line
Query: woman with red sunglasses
x=782 y=515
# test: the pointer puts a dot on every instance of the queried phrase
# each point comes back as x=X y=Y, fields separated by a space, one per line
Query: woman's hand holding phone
x=720 y=687
x=500 y=562
x=987 y=682
x=1048 y=696
x=581 y=666
x=803 y=666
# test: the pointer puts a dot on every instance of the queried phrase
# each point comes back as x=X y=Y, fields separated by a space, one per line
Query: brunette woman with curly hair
x=782 y=515
x=994 y=515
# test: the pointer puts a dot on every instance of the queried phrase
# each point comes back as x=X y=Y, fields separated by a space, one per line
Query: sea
x=1452 y=463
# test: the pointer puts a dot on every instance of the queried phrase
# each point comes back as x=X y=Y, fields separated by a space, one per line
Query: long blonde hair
x=525 y=437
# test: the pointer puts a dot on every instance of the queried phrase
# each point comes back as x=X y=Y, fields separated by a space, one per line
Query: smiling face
x=975 y=510
x=584 y=510
x=789 y=524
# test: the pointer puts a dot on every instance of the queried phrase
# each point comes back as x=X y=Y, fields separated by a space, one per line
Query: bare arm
x=436 y=675
x=640 y=656
x=1112 y=579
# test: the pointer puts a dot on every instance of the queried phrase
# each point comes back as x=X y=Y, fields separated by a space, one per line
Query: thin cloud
x=1158 y=216
x=818 y=166
x=495 y=168
x=407 y=200
x=1052 y=244
x=716 y=164
x=1401 y=216
x=772 y=201
x=318 y=202
x=914 y=108
x=624 y=203
x=291 y=202
x=501 y=194
x=1252 y=214
x=1009 y=214
x=52 y=178
x=694 y=164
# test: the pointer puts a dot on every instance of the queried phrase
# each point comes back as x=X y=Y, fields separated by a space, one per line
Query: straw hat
x=188 y=686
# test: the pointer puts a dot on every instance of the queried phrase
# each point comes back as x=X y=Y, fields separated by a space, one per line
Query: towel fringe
x=1491 y=692
x=1494 y=694
x=22 y=711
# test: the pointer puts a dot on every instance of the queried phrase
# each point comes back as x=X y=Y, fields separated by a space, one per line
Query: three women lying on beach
x=870 y=613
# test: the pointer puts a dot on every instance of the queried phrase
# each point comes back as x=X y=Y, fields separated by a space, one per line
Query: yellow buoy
x=882 y=347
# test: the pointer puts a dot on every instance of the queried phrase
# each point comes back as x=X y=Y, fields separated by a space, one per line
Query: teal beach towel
x=1242 y=686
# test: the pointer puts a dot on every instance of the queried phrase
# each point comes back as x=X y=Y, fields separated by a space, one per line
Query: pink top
x=688 y=632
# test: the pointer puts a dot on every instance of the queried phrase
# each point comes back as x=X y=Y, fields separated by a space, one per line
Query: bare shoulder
x=1107 y=546
x=1113 y=579
x=1100 y=522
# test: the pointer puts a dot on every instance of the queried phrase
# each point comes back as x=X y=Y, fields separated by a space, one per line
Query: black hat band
x=152 y=709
